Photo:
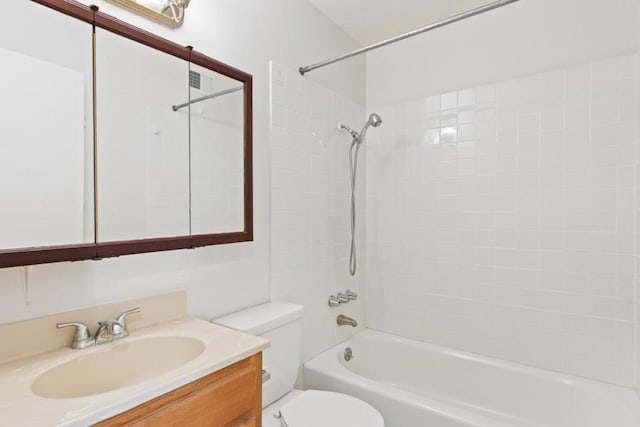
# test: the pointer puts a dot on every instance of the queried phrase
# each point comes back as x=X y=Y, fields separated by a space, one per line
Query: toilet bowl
x=284 y=406
x=315 y=408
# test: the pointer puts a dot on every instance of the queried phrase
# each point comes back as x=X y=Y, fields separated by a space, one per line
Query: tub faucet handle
x=351 y=295
x=334 y=301
x=343 y=298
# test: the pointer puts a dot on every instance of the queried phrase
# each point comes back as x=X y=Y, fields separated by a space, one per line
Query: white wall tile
x=310 y=202
x=529 y=243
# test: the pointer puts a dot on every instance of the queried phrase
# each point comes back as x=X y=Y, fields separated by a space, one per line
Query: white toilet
x=281 y=324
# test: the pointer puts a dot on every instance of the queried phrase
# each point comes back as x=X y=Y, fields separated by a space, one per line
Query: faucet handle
x=351 y=295
x=120 y=327
x=82 y=338
x=343 y=298
x=334 y=301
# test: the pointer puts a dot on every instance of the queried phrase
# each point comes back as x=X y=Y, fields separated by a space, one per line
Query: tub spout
x=346 y=321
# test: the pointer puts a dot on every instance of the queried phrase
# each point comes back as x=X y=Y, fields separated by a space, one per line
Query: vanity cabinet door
x=231 y=397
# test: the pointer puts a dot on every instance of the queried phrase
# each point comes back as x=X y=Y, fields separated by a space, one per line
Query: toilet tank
x=281 y=324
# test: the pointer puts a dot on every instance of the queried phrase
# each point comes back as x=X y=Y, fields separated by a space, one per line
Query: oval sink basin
x=121 y=364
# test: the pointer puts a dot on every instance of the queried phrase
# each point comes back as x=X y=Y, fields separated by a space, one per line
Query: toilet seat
x=314 y=408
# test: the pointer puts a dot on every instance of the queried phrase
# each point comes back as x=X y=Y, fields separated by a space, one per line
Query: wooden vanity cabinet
x=231 y=397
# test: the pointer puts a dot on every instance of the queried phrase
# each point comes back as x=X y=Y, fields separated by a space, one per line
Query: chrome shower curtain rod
x=444 y=22
x=204 y=98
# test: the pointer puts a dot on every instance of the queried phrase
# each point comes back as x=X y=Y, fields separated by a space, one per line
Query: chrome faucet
x=104 y=333
x=343 y=320
x=108 y=331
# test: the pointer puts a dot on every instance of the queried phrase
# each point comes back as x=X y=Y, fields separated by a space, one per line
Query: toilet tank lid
x=262 y=318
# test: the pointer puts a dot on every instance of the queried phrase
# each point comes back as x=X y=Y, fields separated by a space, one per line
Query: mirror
x=46 y=149
x=143 y=145
x=217 y=119
x=166 y=165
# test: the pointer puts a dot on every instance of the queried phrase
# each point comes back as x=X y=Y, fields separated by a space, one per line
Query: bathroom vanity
x=181 y=372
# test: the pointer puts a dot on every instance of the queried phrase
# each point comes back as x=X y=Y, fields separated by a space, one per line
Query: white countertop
x=19 y=406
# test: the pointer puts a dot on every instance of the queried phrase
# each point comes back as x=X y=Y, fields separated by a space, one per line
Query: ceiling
x=370 y=21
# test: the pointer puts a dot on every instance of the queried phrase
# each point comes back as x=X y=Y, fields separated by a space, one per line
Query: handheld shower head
x=374 y=120
x=358 y=138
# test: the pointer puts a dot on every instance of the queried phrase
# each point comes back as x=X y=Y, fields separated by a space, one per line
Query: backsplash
x=310 y=205
x=44 y=336
x=500 y=220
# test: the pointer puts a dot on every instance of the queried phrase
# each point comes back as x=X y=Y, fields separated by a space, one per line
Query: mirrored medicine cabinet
x=115 y=141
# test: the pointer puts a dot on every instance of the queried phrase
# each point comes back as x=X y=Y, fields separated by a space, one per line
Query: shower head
x=374 y=120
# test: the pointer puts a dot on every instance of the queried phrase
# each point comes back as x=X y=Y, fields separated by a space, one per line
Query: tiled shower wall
x=309 y=205
x=501 y=220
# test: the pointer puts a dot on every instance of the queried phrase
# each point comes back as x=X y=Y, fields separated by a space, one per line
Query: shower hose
x=353 y=167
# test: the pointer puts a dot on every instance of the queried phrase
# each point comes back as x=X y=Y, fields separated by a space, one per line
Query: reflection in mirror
x=143 y=145
x=168 y=12
x=46 y=144
x=217 y=136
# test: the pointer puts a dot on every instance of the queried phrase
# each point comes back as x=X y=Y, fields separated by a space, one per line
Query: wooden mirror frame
x=98 y=250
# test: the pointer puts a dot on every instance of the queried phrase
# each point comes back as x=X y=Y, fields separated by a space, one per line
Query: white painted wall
x=520 y=39
x=500 y=195
x=218 y=279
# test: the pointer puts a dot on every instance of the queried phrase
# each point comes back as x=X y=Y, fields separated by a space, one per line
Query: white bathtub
x=420 y=385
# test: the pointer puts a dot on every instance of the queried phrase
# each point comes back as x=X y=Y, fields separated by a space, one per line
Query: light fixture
x=167 y=12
